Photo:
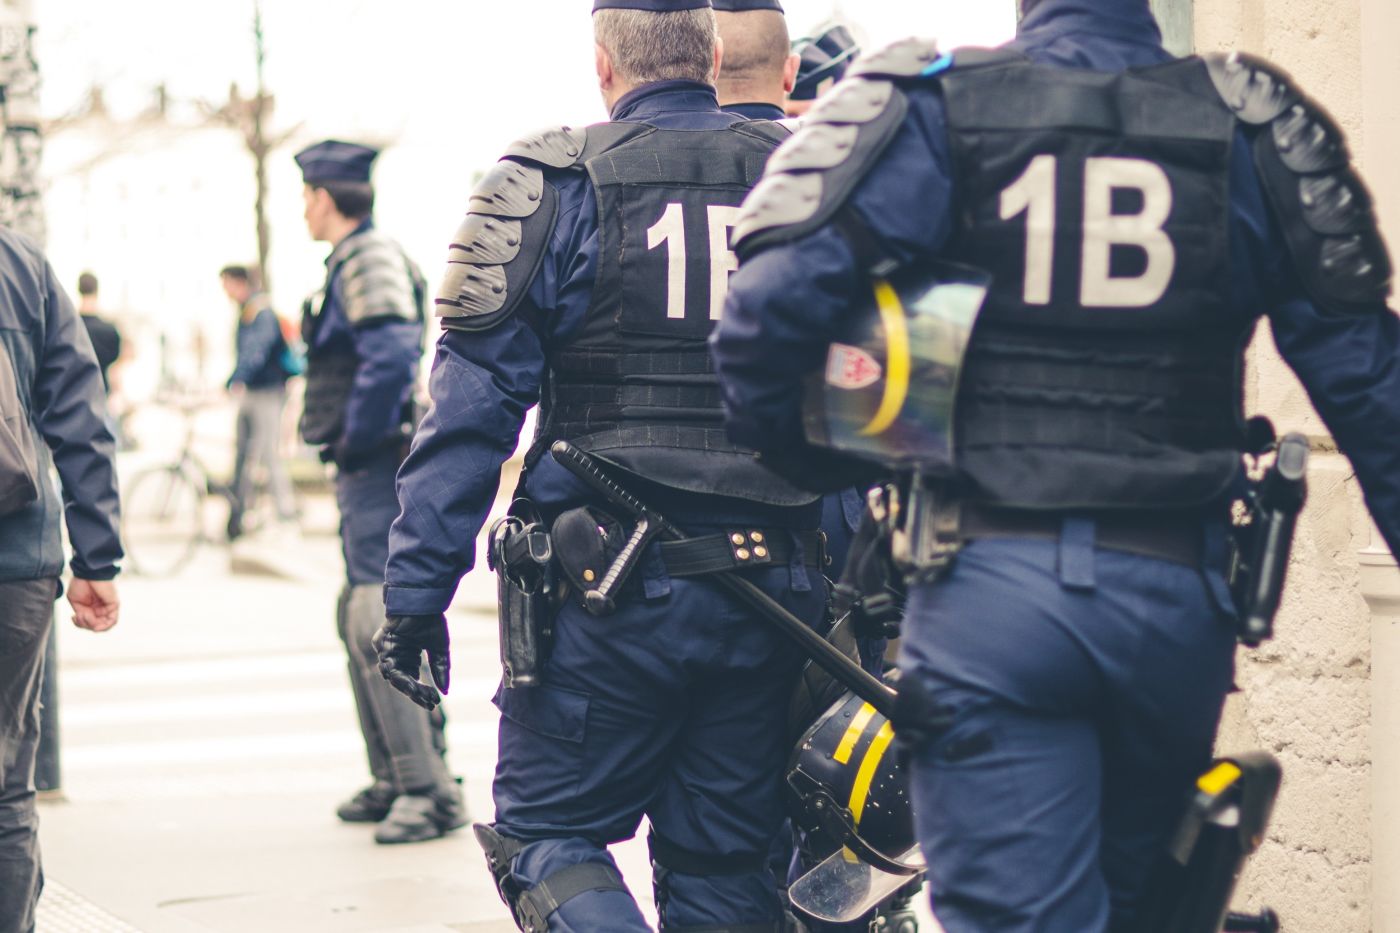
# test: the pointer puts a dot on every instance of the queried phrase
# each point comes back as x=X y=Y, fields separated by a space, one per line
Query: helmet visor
x=888 y=389
x=843 y=888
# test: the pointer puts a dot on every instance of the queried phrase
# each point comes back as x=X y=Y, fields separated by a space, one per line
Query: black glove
x=400 y=643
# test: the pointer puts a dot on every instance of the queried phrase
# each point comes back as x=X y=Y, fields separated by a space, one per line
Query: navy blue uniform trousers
x=674 y=708
x=368 y=505
x=1083 y=688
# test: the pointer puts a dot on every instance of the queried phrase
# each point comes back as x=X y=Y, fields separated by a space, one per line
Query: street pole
x=260 y=147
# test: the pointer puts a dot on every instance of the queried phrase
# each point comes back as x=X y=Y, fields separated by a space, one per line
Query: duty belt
x=741 y=549
x=1175 y=538
x=597 y=556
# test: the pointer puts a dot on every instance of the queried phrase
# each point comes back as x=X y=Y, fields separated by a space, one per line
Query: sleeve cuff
x=417 y=601
x=102 y=573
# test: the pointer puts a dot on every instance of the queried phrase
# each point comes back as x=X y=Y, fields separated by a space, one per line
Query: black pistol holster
x=522 y=556
x=1265 y=519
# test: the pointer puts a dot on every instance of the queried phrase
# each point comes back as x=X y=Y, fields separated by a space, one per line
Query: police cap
x=744 y=6
x=651 y=6
x=333 y=160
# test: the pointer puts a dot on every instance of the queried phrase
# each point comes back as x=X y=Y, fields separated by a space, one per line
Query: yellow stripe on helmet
x=868 y=766
x=848 y=741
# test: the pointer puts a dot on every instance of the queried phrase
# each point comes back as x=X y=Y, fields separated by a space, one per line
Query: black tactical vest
x=330 y=378
x=377 y=281
x=1105 y=370
x=635 y=384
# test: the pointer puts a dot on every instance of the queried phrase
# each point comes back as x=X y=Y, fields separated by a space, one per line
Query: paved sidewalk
x=207 y=740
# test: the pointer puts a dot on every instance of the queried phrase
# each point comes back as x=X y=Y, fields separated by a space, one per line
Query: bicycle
x=164 y=507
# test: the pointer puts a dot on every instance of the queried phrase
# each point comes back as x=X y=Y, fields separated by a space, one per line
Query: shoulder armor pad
x=1254 y=89
x=377 y=280
x=557 y=147
x=498 y=248
x=812 y=175
x=857 y=101
x=510 y=189
x=828 y=145
x=1322 y=204
x=907 y=58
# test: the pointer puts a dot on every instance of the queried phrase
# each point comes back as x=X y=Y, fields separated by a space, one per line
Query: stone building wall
x=1316 y=697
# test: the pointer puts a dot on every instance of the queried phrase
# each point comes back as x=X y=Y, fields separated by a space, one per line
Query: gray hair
x=646 y=47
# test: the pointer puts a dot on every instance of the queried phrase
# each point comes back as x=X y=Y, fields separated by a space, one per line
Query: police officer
x=758 y=73
x=1138 y=215
x=586 y=278
x=759 y=68
x=364 y=334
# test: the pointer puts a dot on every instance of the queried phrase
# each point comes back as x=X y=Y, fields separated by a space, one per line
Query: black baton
x=831 y=660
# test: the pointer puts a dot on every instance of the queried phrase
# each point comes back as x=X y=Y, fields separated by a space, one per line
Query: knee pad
x=532 y=906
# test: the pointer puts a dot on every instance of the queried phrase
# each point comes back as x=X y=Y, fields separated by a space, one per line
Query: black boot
x=368 y=806
x=420 y=817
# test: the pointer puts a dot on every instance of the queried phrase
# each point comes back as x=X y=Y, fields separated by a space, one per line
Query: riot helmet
x=850 y=793
x=824 y=60
x=890 y=382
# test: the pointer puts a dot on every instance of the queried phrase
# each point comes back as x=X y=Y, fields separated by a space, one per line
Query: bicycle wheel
x=162 y=520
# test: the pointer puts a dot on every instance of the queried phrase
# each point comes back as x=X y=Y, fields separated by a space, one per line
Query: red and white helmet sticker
x=850 y=367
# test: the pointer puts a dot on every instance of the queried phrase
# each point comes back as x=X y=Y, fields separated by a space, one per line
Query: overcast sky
x=380 y=68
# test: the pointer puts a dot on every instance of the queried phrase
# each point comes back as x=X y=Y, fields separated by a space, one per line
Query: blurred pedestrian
x=364 y=338
x=53 y=416
x=106 y=338
x=259 y=383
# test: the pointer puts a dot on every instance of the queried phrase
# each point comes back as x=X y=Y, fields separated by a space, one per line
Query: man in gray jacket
x=60 y=413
